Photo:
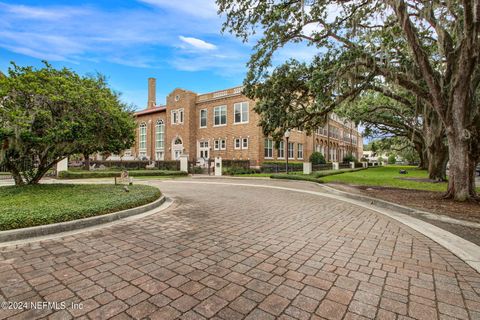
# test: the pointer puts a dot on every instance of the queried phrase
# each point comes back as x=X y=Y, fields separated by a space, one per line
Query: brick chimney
x=152 y=100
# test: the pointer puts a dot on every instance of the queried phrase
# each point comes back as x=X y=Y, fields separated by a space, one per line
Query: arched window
x=142 y=145
x=160 y=135
x=178 y=141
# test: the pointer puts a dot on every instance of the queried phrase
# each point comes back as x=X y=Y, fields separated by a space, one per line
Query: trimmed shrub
x=112 y=174
x=232 y=171
x=296 y=177
x=349 y=158
x=317 y=158
x=195 y=170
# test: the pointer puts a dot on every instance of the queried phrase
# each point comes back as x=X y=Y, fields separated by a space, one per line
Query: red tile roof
x=152 y=110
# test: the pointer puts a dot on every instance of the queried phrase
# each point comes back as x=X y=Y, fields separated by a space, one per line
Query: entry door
x=203 y=153
x=177 y=154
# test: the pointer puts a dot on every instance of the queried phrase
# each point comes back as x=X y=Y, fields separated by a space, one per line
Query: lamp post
x=287 y=135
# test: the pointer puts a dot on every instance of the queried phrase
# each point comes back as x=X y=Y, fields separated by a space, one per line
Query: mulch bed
x=429 y=201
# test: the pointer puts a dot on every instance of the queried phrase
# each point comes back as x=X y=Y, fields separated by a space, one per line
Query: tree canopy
x=49 y=114
x=430 y=49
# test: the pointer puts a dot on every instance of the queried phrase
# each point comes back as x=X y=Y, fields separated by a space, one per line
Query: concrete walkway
x=233 y=252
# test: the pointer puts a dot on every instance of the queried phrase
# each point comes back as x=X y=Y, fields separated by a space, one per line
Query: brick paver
x=237 y=252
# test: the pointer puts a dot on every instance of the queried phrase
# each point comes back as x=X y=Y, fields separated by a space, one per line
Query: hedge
x=112 y=174
x=296 y=177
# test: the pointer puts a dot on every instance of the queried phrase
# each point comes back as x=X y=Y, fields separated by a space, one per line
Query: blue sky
x=176 y=41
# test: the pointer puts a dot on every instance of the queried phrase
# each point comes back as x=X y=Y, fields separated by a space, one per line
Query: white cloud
x=37 y=13
x=197 y=8
x=198 y=43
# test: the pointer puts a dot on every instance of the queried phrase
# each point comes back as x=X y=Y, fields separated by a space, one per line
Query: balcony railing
x=220 y=94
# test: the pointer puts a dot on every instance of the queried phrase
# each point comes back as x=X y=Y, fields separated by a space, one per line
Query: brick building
x=223 y=123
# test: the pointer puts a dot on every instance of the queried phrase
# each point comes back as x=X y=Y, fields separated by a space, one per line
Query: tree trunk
x=86 y=162
x=422 y=155
x=41 y=171
x=17 y=177
x=461 y=174
x=437 y=159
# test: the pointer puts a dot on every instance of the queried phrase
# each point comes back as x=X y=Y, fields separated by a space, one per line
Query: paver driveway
x=233 y=252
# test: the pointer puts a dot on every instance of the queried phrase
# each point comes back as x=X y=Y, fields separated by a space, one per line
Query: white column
x=218 y=166
x=352 y=164
x=184 y=163
x=307 y=167
x=62 y=166
x=335 y=166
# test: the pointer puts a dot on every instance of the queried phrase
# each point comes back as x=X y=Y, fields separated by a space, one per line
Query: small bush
x=296 y=177
x=392 y=159
x=195 y=170
x=349 y=158
x=112 y=174
x=317 y=158
x=232 y=171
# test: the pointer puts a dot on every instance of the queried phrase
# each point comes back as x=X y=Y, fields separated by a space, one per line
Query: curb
x=399 y=208
x=49 y=229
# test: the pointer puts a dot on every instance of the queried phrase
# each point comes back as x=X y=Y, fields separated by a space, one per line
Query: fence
x=132 y=164
x=324 y=166
x=344 y=165
x=245 y=164
x=277 y=168
x=358 y=165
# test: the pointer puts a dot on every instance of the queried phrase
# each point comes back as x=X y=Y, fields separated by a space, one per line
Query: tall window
x=245 y=143
x=290 y=150
x=203 y=118
x=177 y=116
x=268 y=148
x=220 y=144
x=300 y=151
x=159 y=135
x=281 y=150
x=143 y=136
x=220 y=116
x=240 y=112
x=237 y=143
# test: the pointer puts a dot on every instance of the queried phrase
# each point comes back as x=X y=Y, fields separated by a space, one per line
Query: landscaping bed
x=42 y=204
x=111 y=174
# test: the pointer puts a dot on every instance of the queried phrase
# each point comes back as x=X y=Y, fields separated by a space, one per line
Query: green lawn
x=42 y=204
x=388 y=176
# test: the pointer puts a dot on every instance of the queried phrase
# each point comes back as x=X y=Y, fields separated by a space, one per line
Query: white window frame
x=245 y=143
x=219 y=108
x=182 y=116
x=243 y=113
x=237 y=143
x=206 y=118
x=142 y=138
x=178 y=116
x=220 y=144
x=281 y=147
x=293 y=150
x=268 y=149
x=300 y=151
x=159 y=135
